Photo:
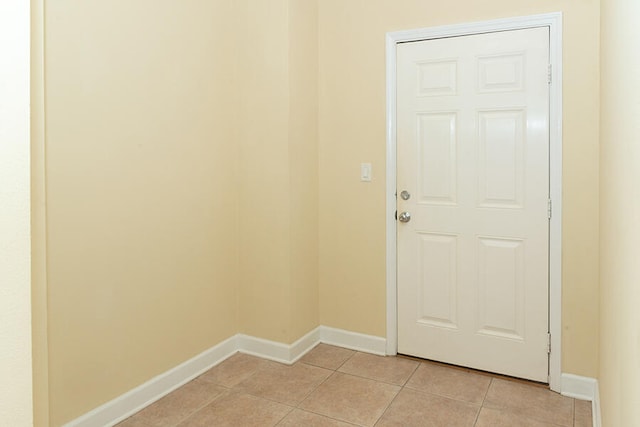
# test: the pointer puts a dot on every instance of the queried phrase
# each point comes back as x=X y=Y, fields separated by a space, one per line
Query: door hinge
x=549 y=74
x=548 y=343
x=549 y=209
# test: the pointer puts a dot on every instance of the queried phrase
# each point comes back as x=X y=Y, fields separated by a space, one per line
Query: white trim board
x=289 y=354
x=353 y=340
x=595 y=409
x=142 y=396
x=583 y=388
x=554 y=22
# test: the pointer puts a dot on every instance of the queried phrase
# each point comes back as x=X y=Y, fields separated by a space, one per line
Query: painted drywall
x=182 y=187
x=16 y=405
x=39 y=303
x=142 y=211
x=352 y=130
x=278 y=163
x=264 y=173
x=303 y=166
x=620 y=214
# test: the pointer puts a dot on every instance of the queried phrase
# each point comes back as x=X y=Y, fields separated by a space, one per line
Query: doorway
x=550 y=24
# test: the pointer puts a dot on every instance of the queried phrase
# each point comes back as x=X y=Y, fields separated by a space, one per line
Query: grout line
x=483 y=400
x=378 y=380
x=486 y=392
x=285 y=416
x=430 y=393
x=306 y=396
x=388 y=406
x=347 y=359
x=411 y=375
x=314 y=390
x=370 y=379
x=191 y=413
x=328 y=417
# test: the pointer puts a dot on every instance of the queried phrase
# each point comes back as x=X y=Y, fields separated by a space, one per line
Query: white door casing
x=473 y=166
x=492 y=247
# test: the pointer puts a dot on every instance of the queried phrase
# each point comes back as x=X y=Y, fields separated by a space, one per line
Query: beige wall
x=142 y=212
x=303 y=165
x=15 y=308
x=620 y=214
x=352 y=130
x=264 y=174
x=278 y=170
x=181 y=174
x=39 y=299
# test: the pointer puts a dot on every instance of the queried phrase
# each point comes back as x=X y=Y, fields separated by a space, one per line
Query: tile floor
x=332 y=386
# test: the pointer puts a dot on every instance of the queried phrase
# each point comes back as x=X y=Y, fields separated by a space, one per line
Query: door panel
x=439 y=167
x=500 y=158
x=473 y=150
x=438 y=305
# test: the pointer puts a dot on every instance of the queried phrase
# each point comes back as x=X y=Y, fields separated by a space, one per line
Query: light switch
x=365 y=172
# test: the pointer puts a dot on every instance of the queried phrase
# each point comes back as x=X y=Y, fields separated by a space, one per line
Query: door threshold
x=477 y=371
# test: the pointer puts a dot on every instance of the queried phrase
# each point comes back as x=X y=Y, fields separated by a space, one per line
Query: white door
x=473 y=159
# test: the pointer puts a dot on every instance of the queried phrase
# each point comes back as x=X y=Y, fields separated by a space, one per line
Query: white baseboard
x=595 y=409
x=134 y=400
x=276 y=351
x=353 y=340
x=305 y=344
x=583 y=388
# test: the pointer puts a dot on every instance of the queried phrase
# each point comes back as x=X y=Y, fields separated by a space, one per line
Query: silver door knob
x=404 y=217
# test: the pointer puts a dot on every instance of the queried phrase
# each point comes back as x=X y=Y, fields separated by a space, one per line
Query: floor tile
x=388 y=369
x=583 y=414
x=335 y=387
x=299 y=418
x=530 y=402
x=352 y=399
x=178 y=405
x=327 y=356
x=283 y=383
x=414 y=408
x=234 y=370
x=134 y=422
x=238 y=409
x=496 y=418
x=450 y=382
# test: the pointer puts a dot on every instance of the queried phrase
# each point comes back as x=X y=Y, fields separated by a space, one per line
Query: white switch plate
x=365 y=172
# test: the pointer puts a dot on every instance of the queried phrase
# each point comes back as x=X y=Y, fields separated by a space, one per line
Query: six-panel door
x=473 y=153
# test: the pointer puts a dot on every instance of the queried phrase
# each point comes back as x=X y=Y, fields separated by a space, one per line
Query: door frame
x=554 y=22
